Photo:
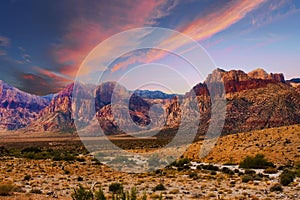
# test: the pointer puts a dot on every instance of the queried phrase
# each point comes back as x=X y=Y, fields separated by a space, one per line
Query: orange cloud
x=85 y=33
x=52 y=75
x=28 y=76
x=202 y=28
x=215 y=22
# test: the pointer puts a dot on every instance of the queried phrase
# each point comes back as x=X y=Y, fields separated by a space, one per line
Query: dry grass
x=279 y=145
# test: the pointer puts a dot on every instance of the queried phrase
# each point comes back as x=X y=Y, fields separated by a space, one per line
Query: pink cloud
x=4 y=41
x=84 y=34
x=203 y=27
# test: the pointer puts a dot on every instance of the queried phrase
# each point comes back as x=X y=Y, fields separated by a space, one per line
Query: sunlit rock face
x=254 y=100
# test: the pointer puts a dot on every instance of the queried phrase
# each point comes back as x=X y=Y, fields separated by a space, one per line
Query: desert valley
x=256 y=157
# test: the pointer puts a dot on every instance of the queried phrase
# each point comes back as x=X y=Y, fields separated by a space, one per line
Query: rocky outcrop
x=253 y=101
x=18 y=108
x=57 y=116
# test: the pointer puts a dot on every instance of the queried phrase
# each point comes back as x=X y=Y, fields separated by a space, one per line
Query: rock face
x=57 y=116
x=17 y=108
x=255 y=100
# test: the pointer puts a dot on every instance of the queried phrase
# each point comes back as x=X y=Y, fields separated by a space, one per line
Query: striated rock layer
x=17 y=108
x=254 y=100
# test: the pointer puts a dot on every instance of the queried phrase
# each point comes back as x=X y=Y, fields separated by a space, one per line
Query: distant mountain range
x=255 y=100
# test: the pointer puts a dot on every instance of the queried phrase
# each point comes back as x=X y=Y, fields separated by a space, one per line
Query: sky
x=43 y=44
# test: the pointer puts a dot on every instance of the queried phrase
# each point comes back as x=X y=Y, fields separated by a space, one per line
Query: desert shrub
x=116 y=188
x=213 y=168
x=36 y=191
x=31 y=149
x=247 y=178
x=270 y=170
x=79 y=178
x=241 y=173
x=6 y=189
x=133 y=195
x=256 y=162
x=181 y=162
x=144 y=197
x=276 y=188
x=193 y=175
x=298 y=169
x=159 y=187
x=82 y=194
x=226 y=170
x=160 y=197
x=286 y=177
x=27 y=177
x=80 y=159
x=213 y=173
x=99 y=195
x=258 y=177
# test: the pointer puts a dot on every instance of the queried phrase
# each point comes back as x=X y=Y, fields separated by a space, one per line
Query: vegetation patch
x=257 y=162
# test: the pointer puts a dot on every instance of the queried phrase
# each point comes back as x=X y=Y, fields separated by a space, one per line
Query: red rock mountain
x=17 y=108
x=254 y=100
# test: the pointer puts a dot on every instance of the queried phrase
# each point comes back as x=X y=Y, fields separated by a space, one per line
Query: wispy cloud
x=203 y=27
x=84 y=33
x=4 y=41
x=271 y=12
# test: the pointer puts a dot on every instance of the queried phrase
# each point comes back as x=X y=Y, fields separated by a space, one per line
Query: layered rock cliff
x=18 y=108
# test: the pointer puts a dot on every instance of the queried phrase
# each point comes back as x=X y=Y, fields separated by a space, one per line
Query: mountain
x=254 y=100
x=294 y=80
x=153 y=94
x=57 y=116
x=18 y=108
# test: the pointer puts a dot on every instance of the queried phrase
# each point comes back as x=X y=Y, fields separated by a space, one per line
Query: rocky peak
x=259 y=74
x=262 y=74
x=18 y=108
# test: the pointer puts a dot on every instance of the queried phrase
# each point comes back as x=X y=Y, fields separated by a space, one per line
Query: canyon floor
x=36 y=178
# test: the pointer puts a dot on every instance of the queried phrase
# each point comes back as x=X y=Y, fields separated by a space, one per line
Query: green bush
x=256 y=162
x=276 y=188
x=286 y=177
x=31 y=149
x=36 y=191
x=226 y=170
x=116 y=188
x=99 y=195
x=247 y=178
x=133 y=194
x=298 y=169
x=144 y=197
x=181 y=162
x=159 y=187
x=251 y=172
x=6 y=189
x=193 y=175
x=82 y=194
x=27 y=177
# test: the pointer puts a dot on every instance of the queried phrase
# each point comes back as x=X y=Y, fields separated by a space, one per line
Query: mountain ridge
x=255 y=100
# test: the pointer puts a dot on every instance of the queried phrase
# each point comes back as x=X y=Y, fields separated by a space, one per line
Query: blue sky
x=43 y=43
